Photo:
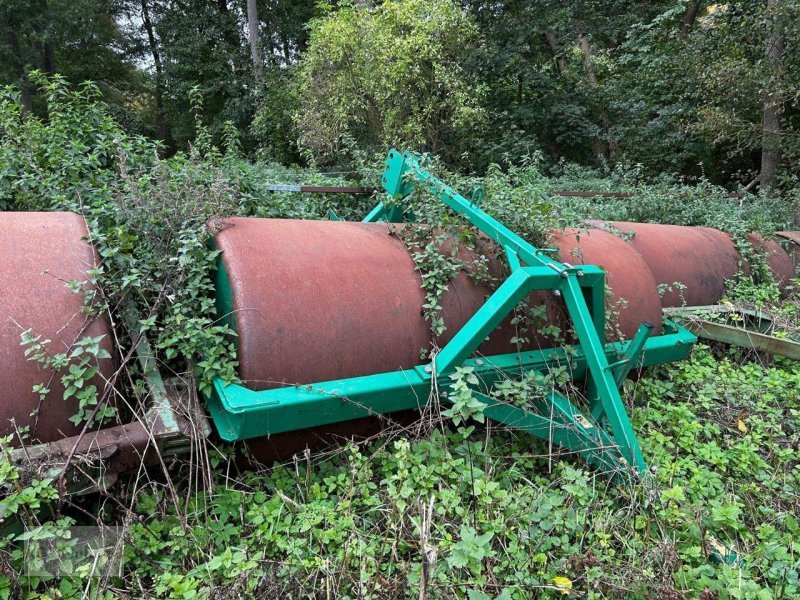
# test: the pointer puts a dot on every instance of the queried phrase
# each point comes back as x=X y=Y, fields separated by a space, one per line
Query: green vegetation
x=486 y=514
x=678 y=86
x=466 y=511
x=392 y=74
x=676 y=103
x=491 y=515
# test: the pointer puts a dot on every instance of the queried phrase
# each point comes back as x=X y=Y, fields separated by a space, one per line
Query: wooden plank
x=319 y=189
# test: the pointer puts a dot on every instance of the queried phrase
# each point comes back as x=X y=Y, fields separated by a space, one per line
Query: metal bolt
x=428 y=369
x=557 y=293
x=580 y=273
x=479 y=362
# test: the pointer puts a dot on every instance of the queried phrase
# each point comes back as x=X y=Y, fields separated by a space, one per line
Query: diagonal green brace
x=488 y=317
x=559 y=422
x=240 y=413
x=602 y=378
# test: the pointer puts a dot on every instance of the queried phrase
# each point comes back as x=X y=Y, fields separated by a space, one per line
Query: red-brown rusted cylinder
x=41 y=252
x=320 y=300
x=778 y=260
x=700 y=259
x=790 y=241
x=634 y=295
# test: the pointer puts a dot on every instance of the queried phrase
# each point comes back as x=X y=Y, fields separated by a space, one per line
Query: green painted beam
x=241 y=413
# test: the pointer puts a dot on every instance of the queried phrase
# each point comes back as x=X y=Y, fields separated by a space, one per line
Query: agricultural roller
x=330 y=323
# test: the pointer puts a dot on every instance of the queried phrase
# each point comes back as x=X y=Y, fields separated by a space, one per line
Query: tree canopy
x=676 y=86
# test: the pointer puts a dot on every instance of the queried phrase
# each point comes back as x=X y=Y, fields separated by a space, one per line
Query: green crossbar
x=602 y=435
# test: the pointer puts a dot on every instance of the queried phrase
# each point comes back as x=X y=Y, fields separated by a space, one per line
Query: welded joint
x=513 y=258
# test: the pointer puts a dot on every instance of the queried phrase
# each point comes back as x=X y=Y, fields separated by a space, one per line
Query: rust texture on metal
x=743 y=327
x=737 y=336
x=99 y=457
x=41 y=252
x=779 y=261
x=634 y=296
x=319 y=300
x=698 y=258
x=792 y=236
x=283 y=446
x=790 y=241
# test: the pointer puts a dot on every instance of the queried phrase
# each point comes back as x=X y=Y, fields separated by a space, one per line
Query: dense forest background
x=678 y=87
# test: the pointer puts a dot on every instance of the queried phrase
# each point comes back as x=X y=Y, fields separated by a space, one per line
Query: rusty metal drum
x=634 y=295
x=778 y=260
x=790 y=241
x=695 y=261
x=320 y=300
x=698 y=259
x=41 y=253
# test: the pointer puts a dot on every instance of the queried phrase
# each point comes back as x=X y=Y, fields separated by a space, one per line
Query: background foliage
x=461 y=511
x=676 y=86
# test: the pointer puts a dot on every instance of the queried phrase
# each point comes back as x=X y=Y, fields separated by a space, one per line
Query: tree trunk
x=552 y=41
x=49 y=59
x=252 y=26
x=24 y=85
x=599 y=148
x=25 y=97
x=688 y=19
x=230 y=32
x=586 y=50
x=48 y=54
x=771 y=151
x=231 y=35
x=161 y=123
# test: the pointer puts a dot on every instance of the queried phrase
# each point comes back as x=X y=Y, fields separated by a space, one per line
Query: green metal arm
x=240 y=413
x=402 y=173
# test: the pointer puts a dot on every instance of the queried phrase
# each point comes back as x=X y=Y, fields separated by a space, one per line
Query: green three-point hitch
x=600 y=431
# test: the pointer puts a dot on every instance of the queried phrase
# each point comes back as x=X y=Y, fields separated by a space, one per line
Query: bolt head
x=428 y=369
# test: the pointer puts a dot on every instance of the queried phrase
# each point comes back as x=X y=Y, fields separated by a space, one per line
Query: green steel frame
x=602 y=434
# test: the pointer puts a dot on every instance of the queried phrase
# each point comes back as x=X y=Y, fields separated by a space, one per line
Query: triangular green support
x=602 y=435
x=532 y=270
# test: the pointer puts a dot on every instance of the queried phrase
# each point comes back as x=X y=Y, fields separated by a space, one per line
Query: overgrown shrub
x=146 y=215
x=387 y=75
